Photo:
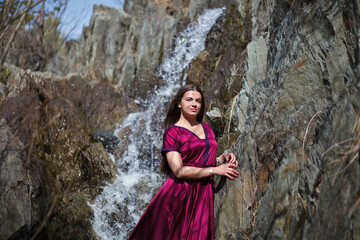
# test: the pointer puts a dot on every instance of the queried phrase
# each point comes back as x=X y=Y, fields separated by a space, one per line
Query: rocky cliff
x=282 y=80
x=125 y=47
x=297 y=119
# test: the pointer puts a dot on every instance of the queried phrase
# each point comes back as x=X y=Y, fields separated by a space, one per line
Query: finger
x=229 y=176
x=234 y=173
x=229 y=159
x=233 y=165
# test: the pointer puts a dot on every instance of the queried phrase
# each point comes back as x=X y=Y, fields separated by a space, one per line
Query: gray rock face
x=15 y=212
x=298 y=112
x=101 y=47
x=121 y=48
x=125 y=47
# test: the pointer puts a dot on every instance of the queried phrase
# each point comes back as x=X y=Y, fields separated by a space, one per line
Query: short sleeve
x=171 y=140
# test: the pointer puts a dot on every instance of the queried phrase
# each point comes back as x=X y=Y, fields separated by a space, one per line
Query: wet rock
x=106 y=138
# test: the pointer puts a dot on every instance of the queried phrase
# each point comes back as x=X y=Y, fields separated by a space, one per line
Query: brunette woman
x=184 y=206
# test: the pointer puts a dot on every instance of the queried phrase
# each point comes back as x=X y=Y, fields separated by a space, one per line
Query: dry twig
x=43 y=223
x=306 y=132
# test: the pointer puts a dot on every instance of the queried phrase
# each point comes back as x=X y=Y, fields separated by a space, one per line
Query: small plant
x=345 y=153
x=4 y=74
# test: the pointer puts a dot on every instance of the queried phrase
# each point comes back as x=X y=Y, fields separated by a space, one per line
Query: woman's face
x=190 y=104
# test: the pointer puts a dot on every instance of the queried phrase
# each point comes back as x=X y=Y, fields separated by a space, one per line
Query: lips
x=193 y=109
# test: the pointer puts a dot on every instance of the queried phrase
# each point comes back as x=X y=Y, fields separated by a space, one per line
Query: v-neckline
x=205 y=132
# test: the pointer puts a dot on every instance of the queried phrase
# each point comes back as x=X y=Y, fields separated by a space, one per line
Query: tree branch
x=11 y=39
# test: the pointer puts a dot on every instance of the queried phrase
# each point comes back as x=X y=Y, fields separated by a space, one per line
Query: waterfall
x=121 y=203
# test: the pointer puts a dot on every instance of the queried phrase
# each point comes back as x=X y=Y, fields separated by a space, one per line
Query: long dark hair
x=173 y=115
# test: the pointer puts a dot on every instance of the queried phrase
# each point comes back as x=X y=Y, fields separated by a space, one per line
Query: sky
x=78 y=14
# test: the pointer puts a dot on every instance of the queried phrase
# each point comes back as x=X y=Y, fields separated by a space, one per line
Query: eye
x=198 y=100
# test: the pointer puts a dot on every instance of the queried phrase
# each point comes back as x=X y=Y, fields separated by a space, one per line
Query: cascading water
x=118 y=208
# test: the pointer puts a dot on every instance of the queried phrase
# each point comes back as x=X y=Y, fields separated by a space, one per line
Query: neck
x=184 y=121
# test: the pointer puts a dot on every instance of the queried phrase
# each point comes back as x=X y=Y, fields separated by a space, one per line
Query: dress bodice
x=194 y=151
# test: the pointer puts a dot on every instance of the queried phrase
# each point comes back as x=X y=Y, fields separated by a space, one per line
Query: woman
x=184 y=206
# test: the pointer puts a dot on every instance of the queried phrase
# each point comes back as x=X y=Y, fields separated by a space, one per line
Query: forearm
x=189 y=172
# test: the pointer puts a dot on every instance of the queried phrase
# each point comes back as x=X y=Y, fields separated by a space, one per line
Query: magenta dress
x=182 y=209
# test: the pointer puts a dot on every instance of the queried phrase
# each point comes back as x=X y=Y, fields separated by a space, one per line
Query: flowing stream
x=118 y=208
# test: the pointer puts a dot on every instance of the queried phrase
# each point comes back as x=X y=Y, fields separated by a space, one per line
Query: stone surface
x=125 y=47
x=213 y=114
x=121 y=48
x=298 y=106
x=107 y=139
x=14 y=184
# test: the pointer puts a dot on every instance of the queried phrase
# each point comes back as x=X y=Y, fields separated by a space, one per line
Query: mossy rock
x=4 y=74
x=71 y=218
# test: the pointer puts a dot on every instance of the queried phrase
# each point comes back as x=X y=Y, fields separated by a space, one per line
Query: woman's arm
x=188 y=172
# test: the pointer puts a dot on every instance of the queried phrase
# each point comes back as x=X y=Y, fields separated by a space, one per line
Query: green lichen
x=4 y=74
x=212 y=66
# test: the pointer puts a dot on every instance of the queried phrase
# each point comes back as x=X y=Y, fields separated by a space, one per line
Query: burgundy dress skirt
x=182 y=209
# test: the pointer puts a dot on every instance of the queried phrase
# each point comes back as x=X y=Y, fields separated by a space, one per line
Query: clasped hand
x=228 y=169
